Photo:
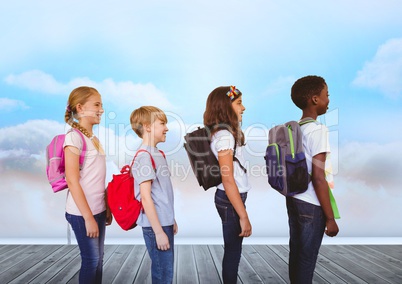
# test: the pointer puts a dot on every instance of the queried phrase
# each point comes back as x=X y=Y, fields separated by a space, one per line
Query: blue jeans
x=91 y=249
x=231 y=230
x=162 y=260
x=306 y=226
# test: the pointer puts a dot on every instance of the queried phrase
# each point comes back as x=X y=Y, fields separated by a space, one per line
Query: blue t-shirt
x=161 y=189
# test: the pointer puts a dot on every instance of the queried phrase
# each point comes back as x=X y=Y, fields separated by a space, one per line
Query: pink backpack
x=55 y=169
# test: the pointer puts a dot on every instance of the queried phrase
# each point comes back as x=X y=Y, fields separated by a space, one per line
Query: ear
x=314 y=100
x=147 y=127
x=79 y=108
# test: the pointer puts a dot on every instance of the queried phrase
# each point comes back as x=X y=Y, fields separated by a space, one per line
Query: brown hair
x=77 y=96
x=145 y=115
x=220 y=115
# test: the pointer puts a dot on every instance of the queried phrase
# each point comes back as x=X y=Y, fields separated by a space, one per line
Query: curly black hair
x=306 y=87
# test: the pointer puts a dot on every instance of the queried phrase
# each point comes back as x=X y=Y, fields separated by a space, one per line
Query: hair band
x=233 y=93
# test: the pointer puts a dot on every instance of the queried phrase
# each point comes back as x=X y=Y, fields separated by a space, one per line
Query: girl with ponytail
x=85 y=206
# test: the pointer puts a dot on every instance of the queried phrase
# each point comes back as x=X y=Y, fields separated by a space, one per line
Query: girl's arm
x=162 y=239
x=71 y=155
x=225 y=159
x=320 y=185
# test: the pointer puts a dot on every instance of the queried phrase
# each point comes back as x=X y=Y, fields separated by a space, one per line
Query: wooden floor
x=201 y=264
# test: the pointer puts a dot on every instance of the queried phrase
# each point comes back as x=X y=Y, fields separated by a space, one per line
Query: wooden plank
x=205 y=266
x=175 y=264
x=201 y=264
x=276 y=262
x=348 y=262
x=6 y=249
x=54 y=269
x=131 y=267
x=66 y=273
x=321 y=271
x=260 y=267
x=113 y=265
x=360 y=259
x=217 y=256
x=144 y=272
x=380 y=257
x=37 y=254
x=394 y=251
x=186 y=265
x=14 y=256
x=344 y=275
x=37 y=268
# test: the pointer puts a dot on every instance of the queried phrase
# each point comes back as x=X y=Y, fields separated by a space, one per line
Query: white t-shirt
x=315 y=141
x=92 y=176
x=224 y=140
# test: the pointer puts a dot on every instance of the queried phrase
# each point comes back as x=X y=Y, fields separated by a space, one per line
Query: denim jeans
x=162 y=260
x=231 y=230
x=306 y=225
x=91 y=249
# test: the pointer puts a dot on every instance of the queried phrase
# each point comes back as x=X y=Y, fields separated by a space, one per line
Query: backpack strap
x=237 y=160
x=84 y=147
x=152 y=159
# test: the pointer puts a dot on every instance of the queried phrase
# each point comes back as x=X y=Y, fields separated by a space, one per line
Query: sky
x=172 y=54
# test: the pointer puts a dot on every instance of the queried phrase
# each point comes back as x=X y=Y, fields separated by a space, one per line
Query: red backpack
x=55 y=169
x=120 y=196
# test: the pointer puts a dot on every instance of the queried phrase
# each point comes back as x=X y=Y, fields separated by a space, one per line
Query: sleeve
x=73 y=139
x=319 y=142
x=142 y=169
x=224 y=140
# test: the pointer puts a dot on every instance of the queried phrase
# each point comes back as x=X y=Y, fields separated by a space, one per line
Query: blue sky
x=172 y=54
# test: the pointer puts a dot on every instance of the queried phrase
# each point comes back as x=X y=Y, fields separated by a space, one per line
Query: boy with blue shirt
x=154 y=188
x=310 y=213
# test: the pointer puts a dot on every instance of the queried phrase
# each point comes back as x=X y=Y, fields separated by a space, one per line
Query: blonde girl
x=85 y=205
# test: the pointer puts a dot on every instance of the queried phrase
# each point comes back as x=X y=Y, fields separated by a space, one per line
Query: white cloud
x=373 y=164
x=118 y=94
x=36 y=80
x=384 y=71
x=9 y=105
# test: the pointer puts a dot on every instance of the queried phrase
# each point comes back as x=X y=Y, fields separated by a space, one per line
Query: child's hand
x=162 y=241
x=92 y=228
x=246 y=229
x=175 y=228
x=109 y=217
x=332 y=228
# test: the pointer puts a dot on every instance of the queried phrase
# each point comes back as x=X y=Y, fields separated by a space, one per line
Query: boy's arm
x=162 y=239
x=321 y=189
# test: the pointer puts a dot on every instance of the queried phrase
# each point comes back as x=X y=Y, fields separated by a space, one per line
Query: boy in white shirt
x=310 y=213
